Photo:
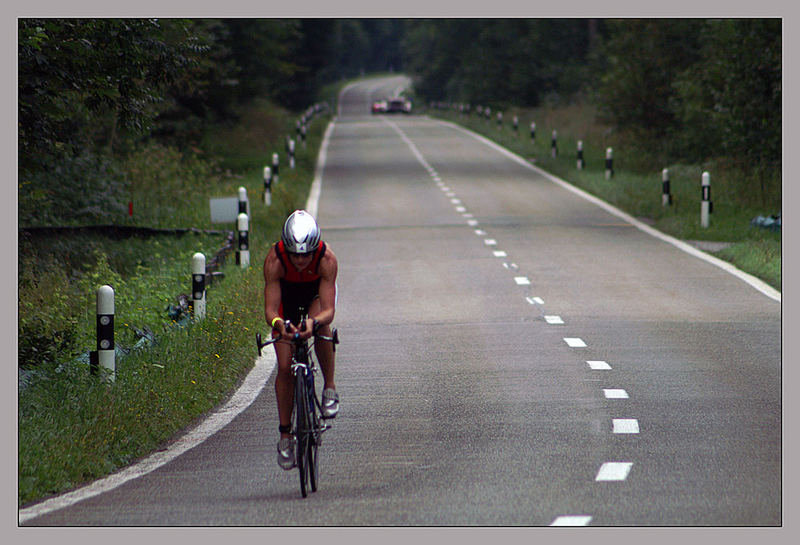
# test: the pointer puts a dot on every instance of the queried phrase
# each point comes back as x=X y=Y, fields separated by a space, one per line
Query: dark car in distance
x=391 y=106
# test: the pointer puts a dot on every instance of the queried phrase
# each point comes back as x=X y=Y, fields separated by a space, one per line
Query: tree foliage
x=708 y=87
x=75 y=73
x=700 y=87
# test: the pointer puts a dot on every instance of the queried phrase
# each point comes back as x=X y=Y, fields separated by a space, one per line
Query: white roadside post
x=554 y=145
x=516 y=124
x=291 y=154
x=297 y=132
x=275 y=167
x=609 y=163
x=198 y=286
x=106 y=357
x=580 y=154
x=533 y=131
x=267 y=186
x=243 y=201
x=666 y=196
x=705 y=205
x=499 y=120
x=243 y=253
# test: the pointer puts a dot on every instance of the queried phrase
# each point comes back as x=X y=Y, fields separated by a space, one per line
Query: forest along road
x=511 y=354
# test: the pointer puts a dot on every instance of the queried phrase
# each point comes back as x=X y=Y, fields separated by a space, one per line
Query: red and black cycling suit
x=298 y=288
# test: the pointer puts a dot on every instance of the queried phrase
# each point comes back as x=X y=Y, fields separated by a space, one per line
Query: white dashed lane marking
x=625 y=425
x=609 y=471
x=615 y=393
x=614 y=471
x=571 y=520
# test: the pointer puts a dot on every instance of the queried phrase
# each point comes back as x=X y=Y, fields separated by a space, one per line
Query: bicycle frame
x=307 y=422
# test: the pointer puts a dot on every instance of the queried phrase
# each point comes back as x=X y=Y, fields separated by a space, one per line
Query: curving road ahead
x=512 y=354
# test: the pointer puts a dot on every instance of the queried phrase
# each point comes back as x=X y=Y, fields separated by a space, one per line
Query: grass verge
x=73 y=427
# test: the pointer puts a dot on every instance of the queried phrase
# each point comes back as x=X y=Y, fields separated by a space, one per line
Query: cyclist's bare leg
x=324 y=349
x=284 y=385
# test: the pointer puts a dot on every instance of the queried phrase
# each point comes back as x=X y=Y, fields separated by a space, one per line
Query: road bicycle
x=308 y=423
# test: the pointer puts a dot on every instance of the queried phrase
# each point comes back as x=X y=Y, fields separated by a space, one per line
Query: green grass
x=73 y=427
x=636 y=184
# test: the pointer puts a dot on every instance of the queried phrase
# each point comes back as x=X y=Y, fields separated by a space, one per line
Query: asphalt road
x=464 y=280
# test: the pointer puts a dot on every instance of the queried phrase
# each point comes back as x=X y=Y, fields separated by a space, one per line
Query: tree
x=643 y=58
x=730 y=103
x=76 y=73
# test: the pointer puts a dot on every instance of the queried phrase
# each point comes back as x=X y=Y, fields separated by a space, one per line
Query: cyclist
x=300 y=272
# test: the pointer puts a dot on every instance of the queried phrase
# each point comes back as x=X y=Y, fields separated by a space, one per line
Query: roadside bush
x=71 y=190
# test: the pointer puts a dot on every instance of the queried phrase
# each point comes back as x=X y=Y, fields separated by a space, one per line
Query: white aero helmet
x=300 y=233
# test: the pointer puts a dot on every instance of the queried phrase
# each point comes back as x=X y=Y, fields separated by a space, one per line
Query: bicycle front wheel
x=314 y=439
x=302 y=432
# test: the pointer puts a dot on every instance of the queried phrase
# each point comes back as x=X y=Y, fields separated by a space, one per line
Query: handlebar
x=334 y=338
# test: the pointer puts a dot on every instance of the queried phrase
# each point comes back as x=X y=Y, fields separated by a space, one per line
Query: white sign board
x=225 y=210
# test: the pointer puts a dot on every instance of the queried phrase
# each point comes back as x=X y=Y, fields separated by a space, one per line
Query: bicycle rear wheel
x=302 y=432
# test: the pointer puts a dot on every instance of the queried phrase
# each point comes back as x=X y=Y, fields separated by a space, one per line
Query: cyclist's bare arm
x=272 y=290
x=328 y=269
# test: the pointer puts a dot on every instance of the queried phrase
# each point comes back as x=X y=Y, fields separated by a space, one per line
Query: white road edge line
x=244 y=396
x=250 y=389
x=316 y=186
x=756 y=283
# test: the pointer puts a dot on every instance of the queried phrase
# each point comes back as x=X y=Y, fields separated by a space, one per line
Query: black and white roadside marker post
x=666 y=196
x=243 y=201
x=268 y=180
x=275 y=167
x=243 y=253
x=705 y=205
x=580 y=154
x=198 y=286
x=499 y=120
x=533 y=131
x=104 y=357
x=291 y=154
x=609 y=163
x=303 y=132
x=554 y=145
x=515 y=121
